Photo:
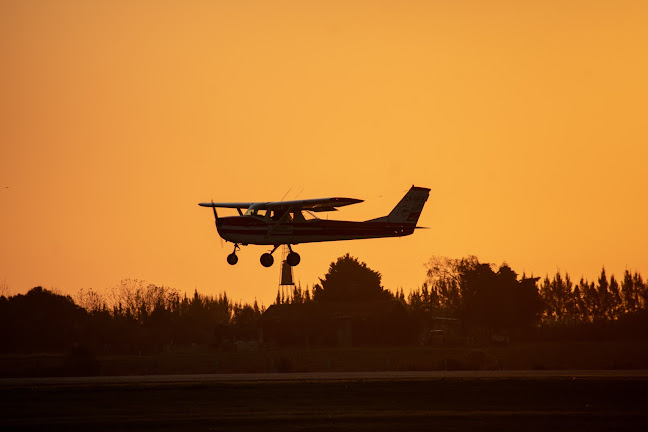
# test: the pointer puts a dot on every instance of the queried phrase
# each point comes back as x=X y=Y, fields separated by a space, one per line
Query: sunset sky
x=527 y=119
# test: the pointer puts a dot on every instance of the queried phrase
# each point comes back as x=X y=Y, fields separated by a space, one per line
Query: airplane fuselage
x=255 y=230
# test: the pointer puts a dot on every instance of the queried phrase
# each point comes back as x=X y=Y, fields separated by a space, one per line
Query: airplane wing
x=237 y=205
x=315 y=205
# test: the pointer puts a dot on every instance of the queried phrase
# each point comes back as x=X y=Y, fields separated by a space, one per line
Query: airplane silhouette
x=283 y=222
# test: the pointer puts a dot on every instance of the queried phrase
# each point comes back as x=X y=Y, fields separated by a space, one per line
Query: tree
x=570 y=298
x=604 y=297
x=641 y=291
x=41 y=320
x=615 y=302
x=578 y=308
x=546 y=292
x=561 y=292
x=443 y=280
x=591 y=303
x=483 y=298
x=245 y=322
x=350 y=280
x=138 y=300
x=90 y=300
x=628 y=293
x=558 y=297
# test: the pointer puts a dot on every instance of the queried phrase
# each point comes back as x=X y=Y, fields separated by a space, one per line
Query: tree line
x=486 y=298
x=137 y=317
x=452 y=284
x=605 y=299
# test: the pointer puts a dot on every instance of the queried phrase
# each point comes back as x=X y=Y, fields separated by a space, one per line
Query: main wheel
x=293 y=259
x=267 y=260
x=232 y=259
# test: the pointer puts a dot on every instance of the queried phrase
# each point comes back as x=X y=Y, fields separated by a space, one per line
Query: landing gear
x=293 y=258
x=232 y=258
x=267 y=259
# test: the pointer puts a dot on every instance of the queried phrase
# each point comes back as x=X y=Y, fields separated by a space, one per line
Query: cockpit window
x=309 y=216
x=277 y=215
x=255 y=211
x=281 y=215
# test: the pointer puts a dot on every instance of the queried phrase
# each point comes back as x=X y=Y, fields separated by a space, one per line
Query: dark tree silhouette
x=246 y=322
x=349 y=301
x=350 y=280
x=628 y=293
x=589 y=302
x=41 y=320
x=349 y=307
x=604 y=297
x=615 y=302
x=480 y=297
x=497 y=300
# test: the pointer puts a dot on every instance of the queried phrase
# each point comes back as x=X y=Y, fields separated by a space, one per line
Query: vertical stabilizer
x=408 y=210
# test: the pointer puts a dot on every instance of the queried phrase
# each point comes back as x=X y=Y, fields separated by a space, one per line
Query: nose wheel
x=232 y=258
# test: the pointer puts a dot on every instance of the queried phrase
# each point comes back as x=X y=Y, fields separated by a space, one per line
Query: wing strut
x=216 y=220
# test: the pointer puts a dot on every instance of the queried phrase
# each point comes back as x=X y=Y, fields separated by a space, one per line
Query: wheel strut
x=267 y=259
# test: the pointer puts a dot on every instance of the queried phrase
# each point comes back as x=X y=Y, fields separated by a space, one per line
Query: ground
x=459 y=401
x=628 y=354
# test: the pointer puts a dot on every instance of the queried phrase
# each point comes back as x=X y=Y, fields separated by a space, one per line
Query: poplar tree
x=628 y=293
x=604 y=298
x=614 y=299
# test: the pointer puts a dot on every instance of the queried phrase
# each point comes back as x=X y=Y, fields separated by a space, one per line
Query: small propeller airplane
x=283 y=223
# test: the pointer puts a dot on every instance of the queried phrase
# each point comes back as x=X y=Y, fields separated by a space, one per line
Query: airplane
x=283 y=223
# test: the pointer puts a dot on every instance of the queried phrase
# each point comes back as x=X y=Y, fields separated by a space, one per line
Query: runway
x=367 y=401
x=320 y=376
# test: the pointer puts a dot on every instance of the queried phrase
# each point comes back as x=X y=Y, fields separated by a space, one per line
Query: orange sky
x=528 y=120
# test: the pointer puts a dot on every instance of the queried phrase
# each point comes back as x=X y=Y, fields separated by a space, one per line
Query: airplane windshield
x=255 y=211
x=278 y=215
x=281 y=215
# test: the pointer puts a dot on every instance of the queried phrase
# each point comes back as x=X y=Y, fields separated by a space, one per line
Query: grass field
x=631 y=354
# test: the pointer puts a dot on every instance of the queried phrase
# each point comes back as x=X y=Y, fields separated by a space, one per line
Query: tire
x=267 y=260
x=293 y=259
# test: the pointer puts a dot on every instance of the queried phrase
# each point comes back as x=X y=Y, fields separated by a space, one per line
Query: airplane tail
x=408 y=210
